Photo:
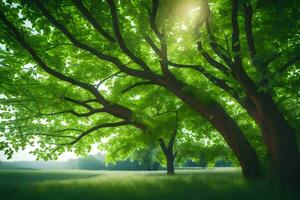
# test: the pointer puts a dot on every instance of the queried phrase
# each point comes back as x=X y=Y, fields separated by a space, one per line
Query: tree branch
x=81 y=103
x=217 y=48
x=163 y=51
x=114 y=109
x=67 y=129
x=236 y=46
x=152 y=45
x=119 y=37
x=212 y=61
x=248 y=12
x=153 y=15
x=136 y=85
x=289 y=63
x=73 y=112
x=52 y=135
x=85 y=12
x=163 y=146
x=105 y=125
x=216 y=81
x=45 y=67
x=173 y=136
x=108 y=77
x=87 y=48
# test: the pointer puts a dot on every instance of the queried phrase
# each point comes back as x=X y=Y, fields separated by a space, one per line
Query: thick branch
x=119 y=37
x=153 y=15
x=84 y=11
x=152 y=45
x=216 y=81
x=45 y=67
x=236 y=46
x=87 y=48
x=248 y=12
x=163 y=51
x=114 y=109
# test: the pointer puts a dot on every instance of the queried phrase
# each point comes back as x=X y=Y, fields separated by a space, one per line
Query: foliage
x=75 y=72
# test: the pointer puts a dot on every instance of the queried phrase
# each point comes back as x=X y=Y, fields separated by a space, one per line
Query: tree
x=256 y=79
x=173 y=135
x=142 y=51
x=211 y=110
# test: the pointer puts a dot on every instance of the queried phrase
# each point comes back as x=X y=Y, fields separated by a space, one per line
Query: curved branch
x=136 y=85
x=89 y=100
x=152 y=45
x=45 y=67
x=212 y=61
x=153 y=15
x=52 y=135
x=236 y=46
x=163 y=51
x=105 y=125
x=84 y=11
x=81 y=103
x=216 y=81
x=114 y=109
x=217 y=48
x=119 y=38
x=87 y=48
x=108 y=77
x=73 y=112
x=66 y=129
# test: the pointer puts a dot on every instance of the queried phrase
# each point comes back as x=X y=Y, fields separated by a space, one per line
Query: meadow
x=207 y=184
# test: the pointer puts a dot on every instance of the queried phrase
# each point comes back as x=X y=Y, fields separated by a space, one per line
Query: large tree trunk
x=278 y=135
x=225 y=125
x=232 y=134
x=280 y=139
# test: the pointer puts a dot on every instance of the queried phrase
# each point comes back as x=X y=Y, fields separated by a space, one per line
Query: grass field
x=211 y=184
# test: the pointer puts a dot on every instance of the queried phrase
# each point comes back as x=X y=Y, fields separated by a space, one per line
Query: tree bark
x=280 y=140
x=226 y=126
x=170 y=165
x=170 y=156
x=278 y=135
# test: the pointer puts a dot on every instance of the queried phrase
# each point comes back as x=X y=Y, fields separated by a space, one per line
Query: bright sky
x=26 y=156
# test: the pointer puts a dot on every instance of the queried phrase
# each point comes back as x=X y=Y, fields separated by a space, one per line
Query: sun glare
x=185 y=14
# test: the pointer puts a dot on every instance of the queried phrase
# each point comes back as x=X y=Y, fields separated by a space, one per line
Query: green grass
x=118 y=185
